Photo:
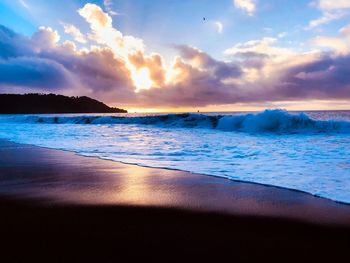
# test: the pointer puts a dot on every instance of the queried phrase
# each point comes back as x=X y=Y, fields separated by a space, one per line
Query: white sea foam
x=304 y=151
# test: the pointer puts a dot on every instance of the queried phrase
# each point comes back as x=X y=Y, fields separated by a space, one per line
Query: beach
x=174 y=131
x=58 y=206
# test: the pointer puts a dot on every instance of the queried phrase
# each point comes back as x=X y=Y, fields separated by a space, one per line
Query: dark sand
x=57 y=206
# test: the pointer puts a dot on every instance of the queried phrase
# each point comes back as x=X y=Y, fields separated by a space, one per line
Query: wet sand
x=57 y=206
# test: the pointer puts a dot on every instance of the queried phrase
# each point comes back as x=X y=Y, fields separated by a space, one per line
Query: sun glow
x=142 y=79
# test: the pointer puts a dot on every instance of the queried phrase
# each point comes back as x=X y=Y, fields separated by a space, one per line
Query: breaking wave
x=267 y=121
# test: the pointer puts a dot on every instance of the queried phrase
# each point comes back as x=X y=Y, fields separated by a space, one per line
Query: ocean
x=306 y=151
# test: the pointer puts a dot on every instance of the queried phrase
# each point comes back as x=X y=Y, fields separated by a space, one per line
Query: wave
x=267 y=121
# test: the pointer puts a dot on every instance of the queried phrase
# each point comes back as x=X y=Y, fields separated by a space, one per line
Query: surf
x=268 y=121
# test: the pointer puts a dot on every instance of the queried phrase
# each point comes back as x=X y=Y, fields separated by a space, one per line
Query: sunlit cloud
x=74 y=32
x=142 y=79
x=103 y=32
x=248 y=6
x=340 y=44
x=94 y=15
x=45 y=38
x=336 y=44
x=154 y=65
x=263 y=47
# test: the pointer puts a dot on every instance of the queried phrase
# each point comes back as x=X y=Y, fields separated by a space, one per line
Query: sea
x=307 y=151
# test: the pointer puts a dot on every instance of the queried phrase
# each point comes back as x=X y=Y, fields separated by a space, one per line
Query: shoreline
x=179 y=170
x=98 y=181
x=58 y=206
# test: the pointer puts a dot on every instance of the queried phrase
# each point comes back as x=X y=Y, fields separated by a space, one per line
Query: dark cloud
x=326 y=78
x=21 y=66
x=33 y=72
x=219 y=69
x=251 y=59
x=12 y=44
x=40 y=63
x=192 y=87
x=96 y=68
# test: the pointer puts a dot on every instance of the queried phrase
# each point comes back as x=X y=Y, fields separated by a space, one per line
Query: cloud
x=104 y=33
x=74 y=32
x=41 y=63
x=45 y=38
x=336 y=44
x=117 y=69
x=340 y=44
x=97 y=68
x=344 y=33
x=328 y=77
x=331 y=10
x=34 y=72
x=332 y=4
x=248 y=6
x=203 y=61
x=12 y=44
x=21 y=66
x=264 y=47
x=193 y=87
x=196 y=79
x=24 y=4
x=94 y=15
x=219 y=26
x=314 y=77
x=326 y=18
x=153 y=63
x=108 y=4
x=282 y=35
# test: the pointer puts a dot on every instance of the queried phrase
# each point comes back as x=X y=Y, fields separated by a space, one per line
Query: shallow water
x=305 y=151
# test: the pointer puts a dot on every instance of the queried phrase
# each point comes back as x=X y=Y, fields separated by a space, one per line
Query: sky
x=169 y=55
